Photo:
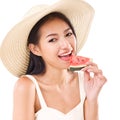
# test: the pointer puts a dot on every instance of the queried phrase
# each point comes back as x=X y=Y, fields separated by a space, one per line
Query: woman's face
x=57 y=43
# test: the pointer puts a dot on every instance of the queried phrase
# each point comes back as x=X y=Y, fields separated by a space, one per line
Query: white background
x=102 y=46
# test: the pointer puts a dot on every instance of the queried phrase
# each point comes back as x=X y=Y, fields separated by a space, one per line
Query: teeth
x=66 y=54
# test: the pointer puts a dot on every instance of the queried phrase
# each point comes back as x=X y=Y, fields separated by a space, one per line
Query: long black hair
x=36 y=63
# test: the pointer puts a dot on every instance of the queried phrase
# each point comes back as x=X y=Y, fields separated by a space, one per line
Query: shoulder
x=24 y=86
x=24 y=99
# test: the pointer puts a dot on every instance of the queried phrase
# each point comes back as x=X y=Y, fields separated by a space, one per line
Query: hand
x=93 y=83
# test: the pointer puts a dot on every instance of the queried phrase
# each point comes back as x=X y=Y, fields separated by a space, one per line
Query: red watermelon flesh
x=78 y=62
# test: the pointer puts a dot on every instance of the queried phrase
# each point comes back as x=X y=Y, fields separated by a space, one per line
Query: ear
x=34 y=49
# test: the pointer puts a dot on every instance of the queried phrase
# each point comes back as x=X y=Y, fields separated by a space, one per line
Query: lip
x=65 y=56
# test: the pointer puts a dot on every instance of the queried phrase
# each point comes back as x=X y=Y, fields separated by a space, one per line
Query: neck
x=57 y=77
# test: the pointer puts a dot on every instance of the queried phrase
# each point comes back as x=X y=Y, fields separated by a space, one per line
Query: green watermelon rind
x=76 y=68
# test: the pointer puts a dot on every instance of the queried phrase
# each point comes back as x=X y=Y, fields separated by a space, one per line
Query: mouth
x=65 y=56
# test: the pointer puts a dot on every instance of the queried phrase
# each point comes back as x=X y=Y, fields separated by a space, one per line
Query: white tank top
x=48 y=113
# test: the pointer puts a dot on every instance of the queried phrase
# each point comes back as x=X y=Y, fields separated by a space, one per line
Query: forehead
x=55 y=25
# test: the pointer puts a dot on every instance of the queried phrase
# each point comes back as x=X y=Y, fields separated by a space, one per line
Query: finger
x=86 y=76
x=98 y=72
x=101 y=77
x=93 y=69
x=90 y=63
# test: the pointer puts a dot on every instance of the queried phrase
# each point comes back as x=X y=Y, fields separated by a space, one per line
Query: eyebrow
x=53 y=34
x=67 y=29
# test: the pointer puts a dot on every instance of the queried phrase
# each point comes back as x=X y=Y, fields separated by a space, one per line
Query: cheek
x=43 y=48
x=47 y=50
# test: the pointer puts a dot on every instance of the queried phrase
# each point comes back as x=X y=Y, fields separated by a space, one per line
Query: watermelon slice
x=78 y=62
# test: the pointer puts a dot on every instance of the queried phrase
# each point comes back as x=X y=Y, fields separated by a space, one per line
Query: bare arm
x=24 y=97
x=91 y=110
x=93 y=85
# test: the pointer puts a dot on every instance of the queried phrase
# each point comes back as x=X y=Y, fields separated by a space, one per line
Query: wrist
x=92 y=101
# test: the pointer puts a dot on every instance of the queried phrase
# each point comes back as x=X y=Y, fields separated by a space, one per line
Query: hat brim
x=14 y=52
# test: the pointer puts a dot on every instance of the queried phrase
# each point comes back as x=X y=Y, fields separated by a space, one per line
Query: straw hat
x=14 y=52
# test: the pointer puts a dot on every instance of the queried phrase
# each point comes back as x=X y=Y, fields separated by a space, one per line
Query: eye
x=52 y=40
x=69 y=34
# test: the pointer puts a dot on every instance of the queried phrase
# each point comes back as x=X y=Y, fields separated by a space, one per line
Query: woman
x=46 y=88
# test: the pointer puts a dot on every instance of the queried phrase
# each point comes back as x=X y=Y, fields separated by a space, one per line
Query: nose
x=65 y=44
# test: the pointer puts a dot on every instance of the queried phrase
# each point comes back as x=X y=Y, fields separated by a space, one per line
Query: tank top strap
x=39 y=93
x=81 y=85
